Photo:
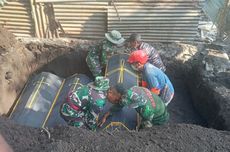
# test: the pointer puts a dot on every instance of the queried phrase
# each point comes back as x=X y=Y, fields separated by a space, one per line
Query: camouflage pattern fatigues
x=154 y=57
x=150 y=107
x=98 y=56
x=83 y=107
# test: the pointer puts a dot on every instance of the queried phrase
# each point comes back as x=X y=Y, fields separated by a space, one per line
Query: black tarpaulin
x=71 y=84
x=118 y=70
x=124 y=119
x=39 y=103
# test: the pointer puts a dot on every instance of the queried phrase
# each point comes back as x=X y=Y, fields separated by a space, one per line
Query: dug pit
x=20 y=60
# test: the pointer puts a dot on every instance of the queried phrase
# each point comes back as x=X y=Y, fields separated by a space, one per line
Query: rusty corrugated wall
x=159 y=20
x=82 y=19
x=155 y=20
x=16 y=17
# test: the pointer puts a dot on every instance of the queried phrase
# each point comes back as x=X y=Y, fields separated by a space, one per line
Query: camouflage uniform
x=154 y=57
x=150 y=107
x=98 y=56
x=83 y=107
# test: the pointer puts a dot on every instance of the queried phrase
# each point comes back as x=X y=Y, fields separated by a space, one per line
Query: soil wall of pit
x=19 y=60
x=209 y=84
x=185 y=64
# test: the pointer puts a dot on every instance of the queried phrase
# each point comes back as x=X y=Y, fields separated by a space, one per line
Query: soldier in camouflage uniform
x=135 y=43
x=150 y=107
x=84 y=105
x=98 y=55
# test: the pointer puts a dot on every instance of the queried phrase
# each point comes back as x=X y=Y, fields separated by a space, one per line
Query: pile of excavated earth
x=199 y=72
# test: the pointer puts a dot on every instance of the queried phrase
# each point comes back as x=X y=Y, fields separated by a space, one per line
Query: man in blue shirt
x=152 y=77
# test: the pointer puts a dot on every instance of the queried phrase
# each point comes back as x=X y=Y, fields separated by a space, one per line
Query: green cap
x=114 y=37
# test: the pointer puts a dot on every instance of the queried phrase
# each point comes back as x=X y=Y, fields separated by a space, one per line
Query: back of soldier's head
x=135 y=37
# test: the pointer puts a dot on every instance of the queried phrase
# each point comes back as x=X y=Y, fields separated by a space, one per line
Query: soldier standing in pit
x=98 y=55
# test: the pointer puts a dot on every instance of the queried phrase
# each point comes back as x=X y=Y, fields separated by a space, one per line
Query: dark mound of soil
x=209 y=83
x=170 y=138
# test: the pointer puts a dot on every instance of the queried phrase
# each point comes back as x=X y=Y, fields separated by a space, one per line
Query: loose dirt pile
x=7 y=40
x=18 y=61
x=12 y=57
x=176 y=137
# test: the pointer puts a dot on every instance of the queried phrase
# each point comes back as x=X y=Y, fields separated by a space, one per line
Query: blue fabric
x=156 y=78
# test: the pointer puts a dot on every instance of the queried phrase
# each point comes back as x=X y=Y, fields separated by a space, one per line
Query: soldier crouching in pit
x=98 y=55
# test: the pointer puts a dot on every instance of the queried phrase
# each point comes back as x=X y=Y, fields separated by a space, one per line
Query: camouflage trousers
x=77 y=118
x=94 y=65
x=159 y=120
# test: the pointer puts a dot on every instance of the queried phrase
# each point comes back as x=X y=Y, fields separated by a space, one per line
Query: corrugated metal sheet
x=214 y=9
x=161 y=20
x=82 y=19
x=15 y=16
x=158 y=20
